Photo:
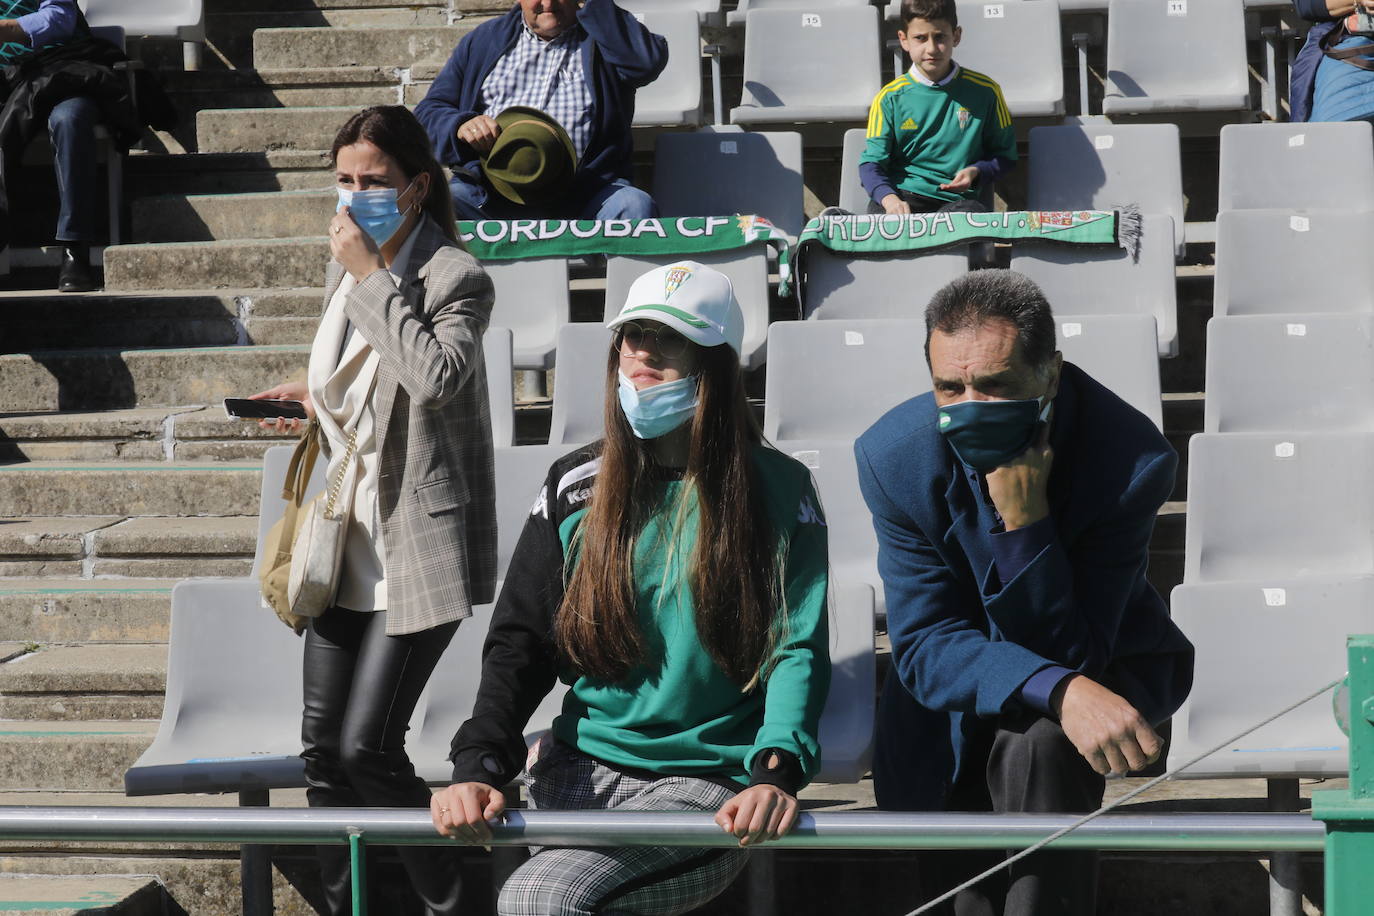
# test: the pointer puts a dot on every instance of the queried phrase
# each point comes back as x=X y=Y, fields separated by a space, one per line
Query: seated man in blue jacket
x=579 y=65
x=1030 y=657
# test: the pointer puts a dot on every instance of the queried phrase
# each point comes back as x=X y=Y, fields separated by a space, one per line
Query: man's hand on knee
x=1108 y=731
x=479 y=133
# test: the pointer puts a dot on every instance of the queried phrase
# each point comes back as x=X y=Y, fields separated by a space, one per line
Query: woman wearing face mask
x=397 y=382
x=674 y=576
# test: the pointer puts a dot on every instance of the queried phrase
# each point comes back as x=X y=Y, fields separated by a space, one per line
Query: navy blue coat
x=624 y=55
x=1303 y=77
x=963 y=642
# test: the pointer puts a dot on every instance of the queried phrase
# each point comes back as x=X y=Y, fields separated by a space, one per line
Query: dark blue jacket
x=1303 y=76
x=963 y=642
x=624 y=55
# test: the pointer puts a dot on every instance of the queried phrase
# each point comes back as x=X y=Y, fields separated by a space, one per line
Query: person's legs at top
x=639 y=880
x=71 y=128
x=470 y=198
x=619 y=200
x=390 y=675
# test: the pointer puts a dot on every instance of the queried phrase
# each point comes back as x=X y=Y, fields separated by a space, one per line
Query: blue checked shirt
x=45 y=22
x=547 y=75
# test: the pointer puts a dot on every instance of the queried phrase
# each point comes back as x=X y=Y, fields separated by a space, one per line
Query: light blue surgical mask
x=374 y=211
x=660 y=409
x=988 y=434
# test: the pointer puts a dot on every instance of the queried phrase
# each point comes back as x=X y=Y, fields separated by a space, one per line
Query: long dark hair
x=735 y=567
x=394 y=131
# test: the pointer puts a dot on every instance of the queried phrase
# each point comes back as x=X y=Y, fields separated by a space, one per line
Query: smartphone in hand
x=249 y=409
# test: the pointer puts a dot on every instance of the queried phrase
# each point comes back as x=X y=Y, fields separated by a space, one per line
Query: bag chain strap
x=336 y=485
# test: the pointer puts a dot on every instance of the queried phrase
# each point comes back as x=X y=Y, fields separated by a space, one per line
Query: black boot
x=75 y=275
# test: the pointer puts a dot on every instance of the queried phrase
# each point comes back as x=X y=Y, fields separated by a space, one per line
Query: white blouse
x=340 y=377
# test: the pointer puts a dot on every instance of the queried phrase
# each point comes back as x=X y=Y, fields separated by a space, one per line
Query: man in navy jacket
x=1030 y=657
x=581 y=66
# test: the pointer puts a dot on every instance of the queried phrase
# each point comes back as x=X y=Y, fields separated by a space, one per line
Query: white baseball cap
x=696 y=301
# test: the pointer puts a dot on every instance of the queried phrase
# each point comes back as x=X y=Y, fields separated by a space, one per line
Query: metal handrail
x=826 y=830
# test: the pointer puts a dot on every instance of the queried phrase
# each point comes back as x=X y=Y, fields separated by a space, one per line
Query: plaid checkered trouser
x=638 y=880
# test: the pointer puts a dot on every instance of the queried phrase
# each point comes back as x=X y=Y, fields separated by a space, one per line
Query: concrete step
x=176 y=548
x=41 y=488
x=85 y=683
x=48 y=546
x=59 y=895
x=66 y=610
x=56 y=755
x=235 y=130
x=276 y=48
x=137 y=434
x=205 y=217
x=195 y=90
x=273 y=263
x=227 y=173
x=74 y=380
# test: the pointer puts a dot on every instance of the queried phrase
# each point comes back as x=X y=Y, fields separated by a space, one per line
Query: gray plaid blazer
x=436 y=488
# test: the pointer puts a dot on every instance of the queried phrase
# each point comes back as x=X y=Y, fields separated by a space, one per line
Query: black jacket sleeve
x=519 y=660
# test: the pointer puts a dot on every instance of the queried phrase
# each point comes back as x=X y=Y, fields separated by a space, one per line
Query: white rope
x=1139 y=790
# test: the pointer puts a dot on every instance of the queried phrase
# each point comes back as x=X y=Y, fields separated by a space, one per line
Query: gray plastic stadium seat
x=740 y=13
x=1255 y=364
x=531 y=300
x=1281 y=262
x=1084 y=280
x=833 y=379
x=1279 y=504
x=674 y=99
x=579 y=391
x=747 y=269
x=520 y=472
x=1295 y=166
x=709 y=173
x=708 y=11
x=231 y=719
x=1120 y=352
x=449 y=695
x=1293 y=641
x=1018 y=45
x=849 y=526
x=498 y=349
x=785 y=79
x=270 y=505
x=1097 y=165
x=839 y=285
x=853 y=197
x=847 y=722
x=1205 y=67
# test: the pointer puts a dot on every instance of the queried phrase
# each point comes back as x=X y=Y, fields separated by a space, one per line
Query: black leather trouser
x=1031 y=768
x=361 y=687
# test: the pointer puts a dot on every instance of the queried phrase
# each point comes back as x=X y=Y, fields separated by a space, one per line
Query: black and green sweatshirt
x=677 y=713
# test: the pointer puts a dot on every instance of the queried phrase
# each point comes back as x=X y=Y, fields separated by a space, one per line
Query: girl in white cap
x=674 y=575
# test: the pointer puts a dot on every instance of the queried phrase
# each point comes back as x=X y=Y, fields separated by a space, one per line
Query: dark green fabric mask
x=988 y=434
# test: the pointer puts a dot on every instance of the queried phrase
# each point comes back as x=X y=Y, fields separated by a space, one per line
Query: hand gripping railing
x=839 y=830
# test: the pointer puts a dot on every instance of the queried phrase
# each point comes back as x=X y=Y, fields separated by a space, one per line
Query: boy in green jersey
x=939 y=133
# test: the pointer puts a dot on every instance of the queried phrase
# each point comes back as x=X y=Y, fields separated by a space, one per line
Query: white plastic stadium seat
x=708 y=11
x=1295 y=166
x=1093 y=280
x=1285 y=262
x=834 y=379
x=579 y=391
x=1259 y=369
x=841 y=285
x=739 y=14
x=1279 y=505
x=1294 y=641
x=1204 y=68
x=853 y=197
x=1120 y=352
x=520 y=472
x=710 y=173
x=674 y=99
x=1097 y=165
x=747 y=269
x=181 y=19
x=498 y=350
x=1018 y=45
x=532 y=300
x=847 y=722
x=786 y=80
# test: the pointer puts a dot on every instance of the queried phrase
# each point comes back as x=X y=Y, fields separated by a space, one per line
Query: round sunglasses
x=632 y=337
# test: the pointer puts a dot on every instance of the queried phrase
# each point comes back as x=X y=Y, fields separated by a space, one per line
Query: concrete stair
x=61 y=895
x=53 y=609
x=85 y=682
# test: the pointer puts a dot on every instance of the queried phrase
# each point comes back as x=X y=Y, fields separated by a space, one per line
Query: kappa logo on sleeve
x=541 y=505
x=808 y=515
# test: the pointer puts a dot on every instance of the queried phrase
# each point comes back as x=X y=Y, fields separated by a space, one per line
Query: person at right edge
x=1031 y=658
x=940 y=134
x=1333 y=75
